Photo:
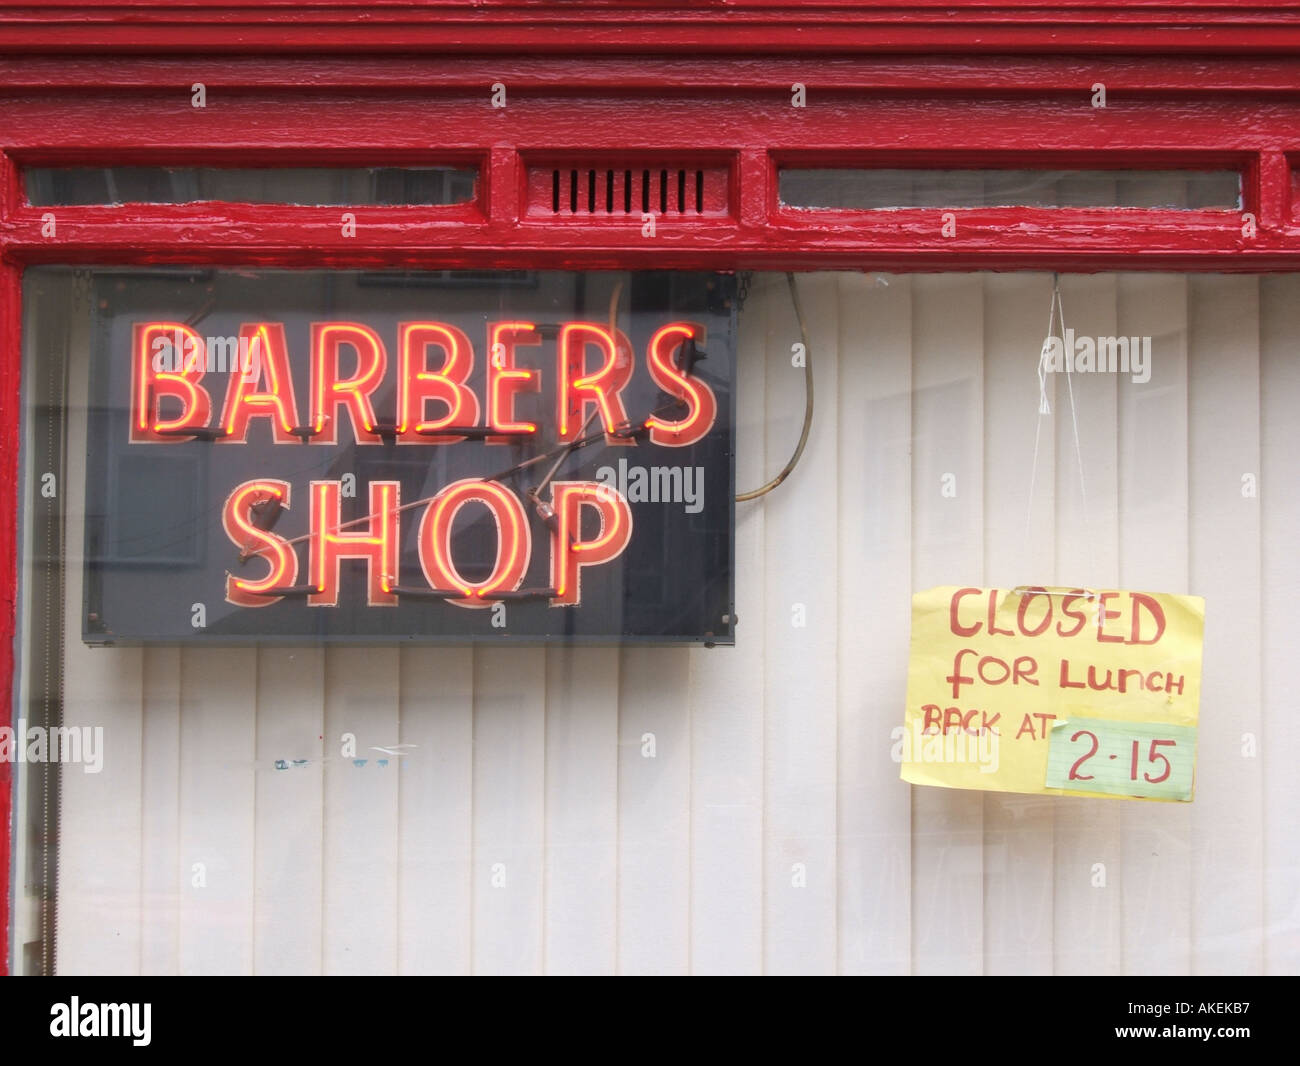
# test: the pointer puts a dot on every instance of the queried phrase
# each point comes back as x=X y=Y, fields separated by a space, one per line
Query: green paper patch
x=1153 y=760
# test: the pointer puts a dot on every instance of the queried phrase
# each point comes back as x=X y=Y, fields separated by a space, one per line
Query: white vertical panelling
x=99 y=843
x=1156 y=863
x=1227 y=849
x=654 y=801
x=726 y=708
x=99 y=834
x=726 y=882
x=875 y=543
x=581 y=892
x=509 y=805
x=217 y=752
x=289 y=811
x=359 y=895
x=1088 y=836
x=436 y=783
x=800 y=571
x=160 y=813
x=947 y=549
x=1018 y=830
x=1280 y=622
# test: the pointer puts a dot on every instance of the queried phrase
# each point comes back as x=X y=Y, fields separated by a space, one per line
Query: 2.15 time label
x=1150 y=759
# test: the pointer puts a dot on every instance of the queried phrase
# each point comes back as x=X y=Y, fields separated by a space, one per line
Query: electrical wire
x=808 y=403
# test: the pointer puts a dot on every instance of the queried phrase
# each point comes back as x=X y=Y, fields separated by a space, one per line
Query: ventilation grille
x=626 y=191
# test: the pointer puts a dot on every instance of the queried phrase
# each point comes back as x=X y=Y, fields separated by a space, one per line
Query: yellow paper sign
x=1067 y=692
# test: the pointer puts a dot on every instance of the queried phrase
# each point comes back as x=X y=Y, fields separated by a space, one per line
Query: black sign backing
x=164 y=542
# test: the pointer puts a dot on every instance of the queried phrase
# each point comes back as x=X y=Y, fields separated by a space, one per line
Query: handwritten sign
x=1054 y=691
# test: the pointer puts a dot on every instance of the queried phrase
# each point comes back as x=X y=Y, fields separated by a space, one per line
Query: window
x=320 y=186
x=884 y=188
x=231 y=827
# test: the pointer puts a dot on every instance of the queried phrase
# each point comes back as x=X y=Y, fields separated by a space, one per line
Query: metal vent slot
x=578 y=189
x=608 y=191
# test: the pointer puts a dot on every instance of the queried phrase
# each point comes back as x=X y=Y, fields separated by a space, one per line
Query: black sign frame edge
x=726 y=638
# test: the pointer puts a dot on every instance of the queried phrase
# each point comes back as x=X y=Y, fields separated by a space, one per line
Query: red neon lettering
x=245 y=402
x=278 y=553
x=376 y=544
x=514 y=540
x=417 y=384
x=578 y=389
x=569 y=552
x=698 y=396
x=160 y=372
x=329 y=391
x=505 y=380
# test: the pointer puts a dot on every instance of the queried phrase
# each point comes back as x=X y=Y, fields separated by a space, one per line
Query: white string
x=1044 y=408
x=1078 y=448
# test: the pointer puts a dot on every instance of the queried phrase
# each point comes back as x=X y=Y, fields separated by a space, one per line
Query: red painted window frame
x=655 y=26
x=950 y=82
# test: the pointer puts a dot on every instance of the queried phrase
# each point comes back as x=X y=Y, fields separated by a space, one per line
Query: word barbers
x=171 y=403
x=376 y=542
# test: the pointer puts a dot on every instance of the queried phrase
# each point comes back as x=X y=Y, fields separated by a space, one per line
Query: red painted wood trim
x=315 y=126
x=10 y=415
x=751 y=134
x=911 y=239
x=641 y=26
x=626 y=76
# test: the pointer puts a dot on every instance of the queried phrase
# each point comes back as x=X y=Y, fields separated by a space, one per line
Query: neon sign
x=439 y=468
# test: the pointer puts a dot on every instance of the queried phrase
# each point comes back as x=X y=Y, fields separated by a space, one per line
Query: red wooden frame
x=651 y=26
x=944 y=82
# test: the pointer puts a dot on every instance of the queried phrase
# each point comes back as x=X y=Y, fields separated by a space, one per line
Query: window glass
x=319 y=186
x=874 y=189
x=267 y=803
